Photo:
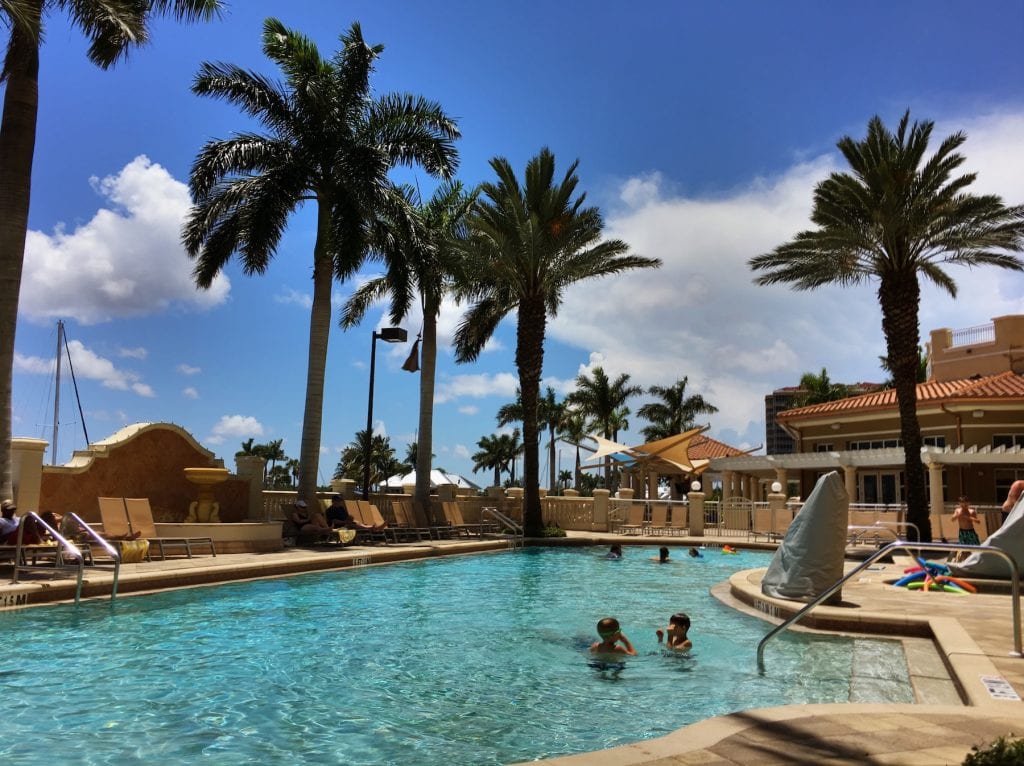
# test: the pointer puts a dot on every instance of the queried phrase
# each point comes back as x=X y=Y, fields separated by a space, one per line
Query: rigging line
x=74 y=382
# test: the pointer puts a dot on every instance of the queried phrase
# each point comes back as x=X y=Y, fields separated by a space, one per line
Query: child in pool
x=662 y=557
x=695 y=554
x=678 y=626
x=614 y=553
x=611 y=636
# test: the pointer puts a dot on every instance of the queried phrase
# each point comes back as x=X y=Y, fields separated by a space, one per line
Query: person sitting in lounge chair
x=8 y=523
x=338 y=516
x=308 y=524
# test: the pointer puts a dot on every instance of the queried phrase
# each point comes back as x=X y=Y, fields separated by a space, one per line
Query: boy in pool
x=678 y=626
x=611 y=636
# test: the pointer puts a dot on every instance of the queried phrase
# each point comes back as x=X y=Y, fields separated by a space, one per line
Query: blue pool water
x=467 y=660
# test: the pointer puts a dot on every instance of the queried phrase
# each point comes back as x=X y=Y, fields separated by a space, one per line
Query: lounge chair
x=453 y=514
x=423 y=518
x=366 y=513
x=405 y=520
x=140 y=516
x=659 y=520
x=634 y=520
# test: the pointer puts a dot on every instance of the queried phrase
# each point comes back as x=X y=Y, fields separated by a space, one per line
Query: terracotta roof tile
x=1005 y=385
x=706 y=448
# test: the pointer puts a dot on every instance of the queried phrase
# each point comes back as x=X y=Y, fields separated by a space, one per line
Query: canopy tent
x=664 y=456
x=437 y=477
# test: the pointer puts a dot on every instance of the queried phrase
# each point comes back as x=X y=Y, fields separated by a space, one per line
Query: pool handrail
x=106 y=546
x=507 y=521
x=907 y=546
x=63 y=542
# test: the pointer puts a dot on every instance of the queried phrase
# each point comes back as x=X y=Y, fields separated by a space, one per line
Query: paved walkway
x=957 y=647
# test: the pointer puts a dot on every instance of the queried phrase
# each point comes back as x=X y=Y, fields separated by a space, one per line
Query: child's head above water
x=607 y=627
x=680 y=619
x=663 y=554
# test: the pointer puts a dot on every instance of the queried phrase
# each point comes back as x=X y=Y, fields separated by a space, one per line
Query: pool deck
x=958 y=650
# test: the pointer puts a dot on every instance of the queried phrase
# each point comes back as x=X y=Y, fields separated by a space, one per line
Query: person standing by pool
x=678 y=627
x=611 y=638
x=966 y=517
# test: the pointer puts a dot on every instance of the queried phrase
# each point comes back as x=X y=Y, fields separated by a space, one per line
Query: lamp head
x=393 y=335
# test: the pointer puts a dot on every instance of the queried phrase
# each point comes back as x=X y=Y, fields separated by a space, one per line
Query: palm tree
x=490 y=457
x=275 y=452
x=564 y=479
x=111 y=28
x=816 y=389
x=922 y=368
x=599 y=399
x=528 y=243
x=897 y=218
x=328 y=140
x=293 y=471
x=248 y=448
x=573 y=430
x=419 y=257
x=549 y=413
x=674 y=413
x=383 y=462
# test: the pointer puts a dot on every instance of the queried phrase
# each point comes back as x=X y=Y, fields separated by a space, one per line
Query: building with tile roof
x=971 y=411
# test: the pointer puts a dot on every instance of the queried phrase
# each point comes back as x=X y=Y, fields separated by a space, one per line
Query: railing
x=63 y=542
x=968 y=336
x=908 y=547
x=570 y=513
x=109 y=549
x=518 y=535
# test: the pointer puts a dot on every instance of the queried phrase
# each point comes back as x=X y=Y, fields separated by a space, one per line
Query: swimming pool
x=465 y=660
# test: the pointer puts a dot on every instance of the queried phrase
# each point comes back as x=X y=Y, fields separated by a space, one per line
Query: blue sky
x=701 y=129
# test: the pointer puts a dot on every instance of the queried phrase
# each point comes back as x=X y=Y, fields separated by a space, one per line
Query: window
x=876 y=444
x=1008 y=440
x=1004 y=478
x=823 y=447
x=935 y=441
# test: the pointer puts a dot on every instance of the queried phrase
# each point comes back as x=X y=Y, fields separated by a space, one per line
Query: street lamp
x=388 y=335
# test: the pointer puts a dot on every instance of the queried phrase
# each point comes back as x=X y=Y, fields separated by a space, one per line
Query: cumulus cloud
x=132 y=353
x=187 y=369
x=235 y=427
x=469 y=409
x=190 y=393
x=127 y=261
x=461 y=451
x=292 y=297
x=88 y=366
x=453 y=387
x=700 y=315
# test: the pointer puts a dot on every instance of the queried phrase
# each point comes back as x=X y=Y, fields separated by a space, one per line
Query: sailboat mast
x=56 y=394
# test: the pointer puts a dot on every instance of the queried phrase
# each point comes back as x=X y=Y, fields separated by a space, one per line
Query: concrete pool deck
x=972 y=637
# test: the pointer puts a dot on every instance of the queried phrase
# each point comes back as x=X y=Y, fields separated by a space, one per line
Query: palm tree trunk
x=552 y=456
x=425 y=436
x=530 y=362
x=17 y=150
x=900 y=299
x=319 y=332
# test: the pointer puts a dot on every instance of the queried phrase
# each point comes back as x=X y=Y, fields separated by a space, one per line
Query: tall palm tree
x=816 y=389
x=417 y=253
x=328 y=140
x=528 y=243
x=383 y=462
x=549 y=413
x=600 y=398
x=275 y=452
x=896 y=218
x=491 y=456
x=573 y=429
x=112 y=27
x=675 y=412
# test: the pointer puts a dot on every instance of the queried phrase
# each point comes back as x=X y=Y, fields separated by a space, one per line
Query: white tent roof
x=437 y=477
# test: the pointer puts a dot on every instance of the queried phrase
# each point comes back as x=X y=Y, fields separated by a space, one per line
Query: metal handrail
x=862 y=529
x=69 y=546
x=106 y=546
x=507 y=521
x=908 y=546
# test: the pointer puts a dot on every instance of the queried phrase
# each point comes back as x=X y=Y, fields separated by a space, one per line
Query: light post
x=388 y=335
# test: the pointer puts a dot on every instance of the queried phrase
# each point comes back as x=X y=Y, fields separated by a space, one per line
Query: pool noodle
x=912 y=577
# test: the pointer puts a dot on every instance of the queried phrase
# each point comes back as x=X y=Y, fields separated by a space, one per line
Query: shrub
x=1002 y=752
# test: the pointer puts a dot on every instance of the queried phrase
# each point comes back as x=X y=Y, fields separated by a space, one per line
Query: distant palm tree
x=549 y=413
x=247 y=447
x=816 y=389
x=922 y=368
x=601 y=401
x=417 y=252
x=528 y=243
x=564 y=479
x=328 y=141
x=111 y=27
x=573 y=429
x=897 y=218
x=275 y=452
x=675 y=412
x=490 y=456
x=293 y=470
x=383 y=462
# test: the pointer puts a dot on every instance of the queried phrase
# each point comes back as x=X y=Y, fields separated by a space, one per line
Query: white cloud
x=295 y=298
x=88 y=366
x=462 y=452
x=700 y=315
x=132 y=353
x=190 y=393
x=469 y=409
x=235 y=427
x=186 y=369
x=126 y=261
x=476 y=386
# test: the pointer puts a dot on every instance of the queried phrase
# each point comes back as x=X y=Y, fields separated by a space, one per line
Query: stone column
x=346 y=488
x=600 y=518
x=727 y=479
x=652 y=486
x=27 y=473
x=696 y=515
x=780 y=477
x=446 y=492
x=850 y=481
x=935 y=504
x=250 y=468
x=495 y=492
x=777 y=507
x=572 y=492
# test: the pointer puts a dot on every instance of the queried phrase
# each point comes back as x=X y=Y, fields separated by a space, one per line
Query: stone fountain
x=205 y=509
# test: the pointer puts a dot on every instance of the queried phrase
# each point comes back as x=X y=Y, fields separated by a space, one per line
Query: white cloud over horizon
x=127 y=261
x=88 y=365
x=236 y=427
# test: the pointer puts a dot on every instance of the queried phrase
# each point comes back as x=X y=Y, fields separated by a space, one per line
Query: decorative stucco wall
x=144 y=460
